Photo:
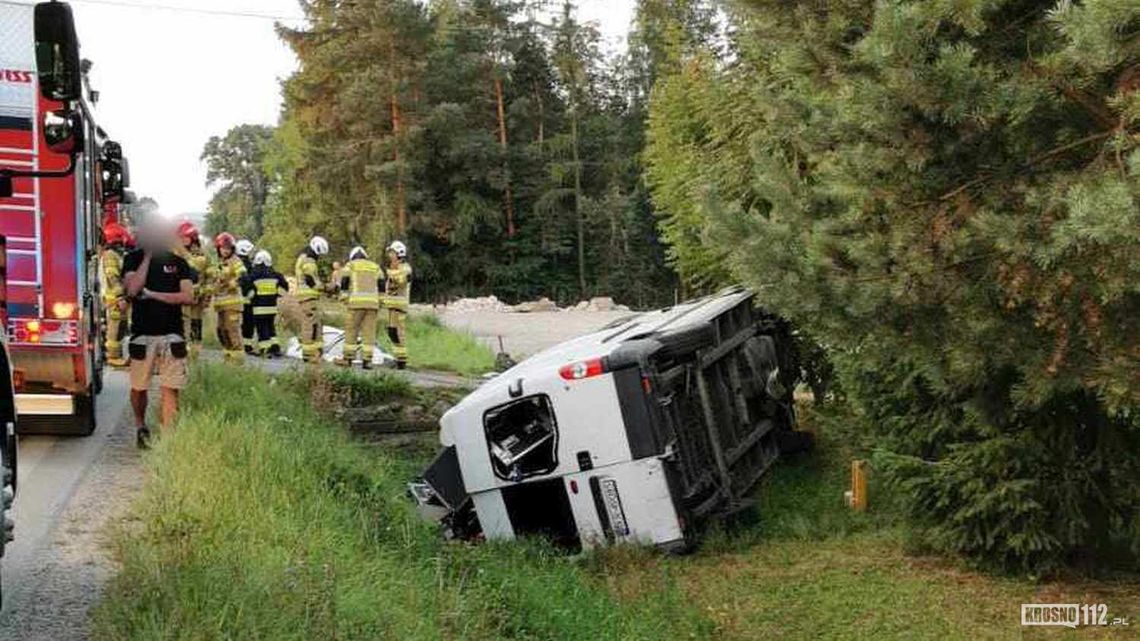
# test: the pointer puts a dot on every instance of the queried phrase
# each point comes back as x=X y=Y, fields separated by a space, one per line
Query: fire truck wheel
x=7 y=494
x=84 y=418
x=97 y=380
x=11 y=456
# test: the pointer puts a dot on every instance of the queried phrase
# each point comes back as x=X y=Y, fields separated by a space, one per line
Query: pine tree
x=947 y=195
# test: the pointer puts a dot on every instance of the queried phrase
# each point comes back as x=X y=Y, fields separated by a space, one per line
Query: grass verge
x=262 y=522
x=431 y=345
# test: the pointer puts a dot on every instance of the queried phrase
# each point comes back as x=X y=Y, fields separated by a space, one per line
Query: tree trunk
x=401 y=212
x=508 y=199
x=541 y=115
x=578 y=203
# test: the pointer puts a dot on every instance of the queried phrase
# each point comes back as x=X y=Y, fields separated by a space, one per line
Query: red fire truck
x=65 y=173
x=57 y=172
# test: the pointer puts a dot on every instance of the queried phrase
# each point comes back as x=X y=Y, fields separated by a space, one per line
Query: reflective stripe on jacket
x=262 y=287
x=363 y=278
x=308 y=280
x=398 y=288
x=227 y=283
x=200 y=264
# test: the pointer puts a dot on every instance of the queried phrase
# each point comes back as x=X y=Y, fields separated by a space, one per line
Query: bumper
x=45 y=404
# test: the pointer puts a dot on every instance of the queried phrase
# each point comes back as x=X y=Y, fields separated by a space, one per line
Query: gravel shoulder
x=526 y=334
x=71 y=491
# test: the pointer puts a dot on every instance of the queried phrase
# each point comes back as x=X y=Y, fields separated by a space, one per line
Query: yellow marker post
x=859 y=485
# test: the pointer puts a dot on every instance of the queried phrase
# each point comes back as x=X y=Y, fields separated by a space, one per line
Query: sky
x=168 y=80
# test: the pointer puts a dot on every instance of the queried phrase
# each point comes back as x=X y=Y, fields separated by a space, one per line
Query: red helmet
x=224 y=239
x=116 y=234
x=188 y=231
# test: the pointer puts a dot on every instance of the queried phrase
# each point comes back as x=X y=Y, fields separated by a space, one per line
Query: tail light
x=35 y=331
x=583 y=369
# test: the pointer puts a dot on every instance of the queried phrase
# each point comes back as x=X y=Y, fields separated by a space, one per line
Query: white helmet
x=399 y=248
x=243 y=247
x=263 y=258
x=319 y=245
x=357 y=252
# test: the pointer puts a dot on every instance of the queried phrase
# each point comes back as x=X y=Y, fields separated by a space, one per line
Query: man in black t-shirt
x=159 y=284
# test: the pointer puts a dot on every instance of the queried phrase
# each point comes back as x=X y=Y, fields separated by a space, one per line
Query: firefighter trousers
x=229 y=333
x=116 y=332
x=360 y=335
x=192 y=328
x=398 y=334
x=248 y=329
x=312 y=332
x=266 y=327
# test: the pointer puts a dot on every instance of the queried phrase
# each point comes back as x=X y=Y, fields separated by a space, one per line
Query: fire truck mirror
x=57 y=52
x=114 y=180
x=125 y=173
x=63 y=131
x=5 y=186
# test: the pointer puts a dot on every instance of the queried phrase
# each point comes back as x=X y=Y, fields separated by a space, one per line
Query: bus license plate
x=612 y=500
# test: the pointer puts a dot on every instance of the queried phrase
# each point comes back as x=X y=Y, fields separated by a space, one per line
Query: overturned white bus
x=634 y=433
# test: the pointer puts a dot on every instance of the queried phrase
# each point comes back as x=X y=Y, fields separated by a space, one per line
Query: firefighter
x=360 y=285
x=191 y=252
x=397 y=295
x=308 y=292
x=116 y=240
x=244 y=250
x=262 y=286
x=228 y=301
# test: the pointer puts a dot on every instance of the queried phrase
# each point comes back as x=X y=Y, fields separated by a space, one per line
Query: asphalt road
x=69 y=490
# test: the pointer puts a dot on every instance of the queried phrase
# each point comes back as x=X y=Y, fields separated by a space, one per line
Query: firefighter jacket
x=308 y=280
x=360 y=284
x=111 y=275
x=398 y=288
x=227 y=284
x=198 y=263
x=262 y=286
x=201 y=266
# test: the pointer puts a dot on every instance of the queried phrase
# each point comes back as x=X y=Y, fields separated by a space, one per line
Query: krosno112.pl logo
x=1069 y=615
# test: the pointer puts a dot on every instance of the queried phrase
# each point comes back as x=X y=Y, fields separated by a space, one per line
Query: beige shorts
x=162 y=356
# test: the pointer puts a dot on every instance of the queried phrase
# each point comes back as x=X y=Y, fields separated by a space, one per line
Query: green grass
x=803 y=566
x=360 y=390
x=431 y=345
x=261 y=521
